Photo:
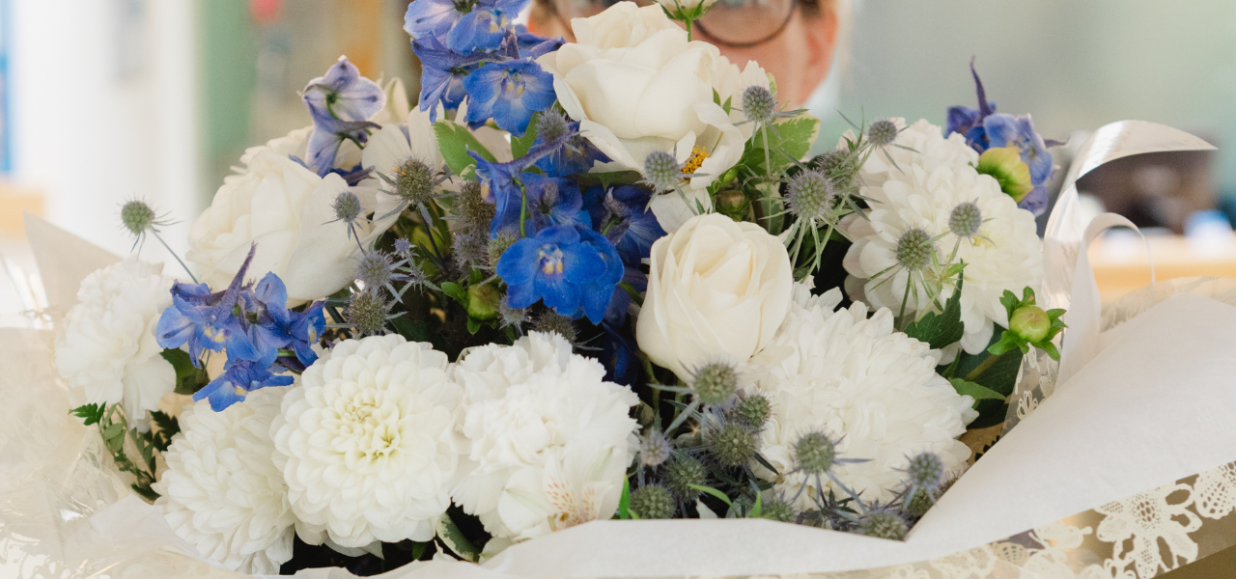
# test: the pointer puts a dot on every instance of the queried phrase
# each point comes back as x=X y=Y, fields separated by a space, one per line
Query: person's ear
x=821 y=36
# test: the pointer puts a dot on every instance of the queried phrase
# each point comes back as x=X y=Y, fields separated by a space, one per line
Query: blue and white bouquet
x=578 y=281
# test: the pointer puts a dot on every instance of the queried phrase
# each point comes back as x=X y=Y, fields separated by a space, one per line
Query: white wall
x=103 y=104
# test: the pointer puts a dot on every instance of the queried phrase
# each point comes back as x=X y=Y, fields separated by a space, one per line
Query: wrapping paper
x=1131 y=452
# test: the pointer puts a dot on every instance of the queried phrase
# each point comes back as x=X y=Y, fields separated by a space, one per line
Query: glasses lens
x=746 y=21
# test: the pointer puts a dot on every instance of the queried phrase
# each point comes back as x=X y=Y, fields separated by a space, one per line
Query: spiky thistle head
x=347 y=207
x=925 y=470
x=477 y=213
x=777 y=510
x=403 y=247
x=552 y=322
x=470 y=249
x=682 y=473
x=551 y=126
x=914 y=249
x=715 y=382
x=811 y=195
x=653 y=502
x=661 y=171
x=138 y=217
x=375 y=270
x=498 y=245
x=413 y=181
x=965 y=219
x=367 y=313
x=758 y=104
x=752 y=410
x=815 y=453
x=882 y=133
x=733 y=443
x=654 y=448
x=511 y=317
x=883 y=523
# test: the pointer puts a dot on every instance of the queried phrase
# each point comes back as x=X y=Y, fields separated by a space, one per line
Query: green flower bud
x=733 y=204
x=1006 y=166
x=1030 y=322
x=483 y=301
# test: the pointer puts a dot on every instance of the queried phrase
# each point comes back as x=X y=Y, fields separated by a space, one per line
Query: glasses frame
x=699 y=26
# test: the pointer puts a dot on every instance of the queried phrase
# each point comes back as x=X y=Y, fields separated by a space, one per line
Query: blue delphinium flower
x=210 y=321
x=618 y=357
x=480 y=30
x=328 y=135
x=343 y=94
x=577 y=154
x=508 y=92
x=534 y=45
x=570 y=268
x=239 y=378
x=436 y=18
x=442 y=74
x=277 y=327
x=622 y=215
x=552 y=201
x=968 y=121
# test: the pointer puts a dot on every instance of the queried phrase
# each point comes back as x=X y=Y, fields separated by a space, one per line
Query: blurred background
x=106 y=100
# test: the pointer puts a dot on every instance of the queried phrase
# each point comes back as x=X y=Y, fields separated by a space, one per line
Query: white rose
x=637 y=86
x=108 y=346
x=716 y=287
x=288 y=211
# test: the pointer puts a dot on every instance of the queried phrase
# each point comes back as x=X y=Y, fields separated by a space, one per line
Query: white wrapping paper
x=1153 y=402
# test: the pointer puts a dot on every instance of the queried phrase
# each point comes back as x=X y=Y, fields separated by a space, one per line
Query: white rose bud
x=716 y=287
x=680 y=9
x=288 y=211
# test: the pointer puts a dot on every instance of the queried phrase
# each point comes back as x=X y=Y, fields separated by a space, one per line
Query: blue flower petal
x=558 y=293
x=518 y=264
x=479 y=30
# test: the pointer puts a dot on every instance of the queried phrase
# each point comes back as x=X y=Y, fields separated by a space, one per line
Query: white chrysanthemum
x=1004 y=254
x=221 y=491
x=108 y=346
x=367 y=444
x=860 y=381
x=549 y=439
x=921 y=144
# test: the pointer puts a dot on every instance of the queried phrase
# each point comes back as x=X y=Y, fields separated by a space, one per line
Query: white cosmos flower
x=108 y=345
x=367 y=443
x=861 y=382
x=549 y=440
x=1004 y=254
x=391 y=147
x=221 y=491
x=637 y=85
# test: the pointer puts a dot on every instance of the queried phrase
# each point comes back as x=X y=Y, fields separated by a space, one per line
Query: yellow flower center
x=698 y=154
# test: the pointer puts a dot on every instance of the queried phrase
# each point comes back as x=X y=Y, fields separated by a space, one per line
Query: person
x=795 y=40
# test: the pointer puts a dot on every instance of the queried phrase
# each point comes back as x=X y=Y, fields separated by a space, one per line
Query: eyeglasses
x=731 y=23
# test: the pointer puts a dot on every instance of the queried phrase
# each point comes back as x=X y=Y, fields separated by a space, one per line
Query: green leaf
x=456 y=291
x=941 y=330
x=788 y=141
x=714 y=492
x=413 y=331
x=974 y=391
x=521 y=145
x=607 y=180
x=455 y=140
x=189 y=379
x=1000 y=377
x=454 y=538
x=758 y=508
x=91 y=413
x=624 y=502
x=165 y=428
x=474 y=325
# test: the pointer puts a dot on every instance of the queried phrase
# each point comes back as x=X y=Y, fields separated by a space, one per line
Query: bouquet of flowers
x=577 y=282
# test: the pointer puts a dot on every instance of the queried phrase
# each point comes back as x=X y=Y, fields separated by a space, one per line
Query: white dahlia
x=367 y=444
x=997 y=242
x=921 y=144
x=221 y=491
x=108 y=345
x=549 y=440
x=861 y=382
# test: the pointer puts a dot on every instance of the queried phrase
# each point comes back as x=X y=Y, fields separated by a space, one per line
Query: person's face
x=799 y=56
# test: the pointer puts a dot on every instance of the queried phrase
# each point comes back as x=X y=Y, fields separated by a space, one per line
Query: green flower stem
x=523 y=216
x=983 y=367
x=169 y=250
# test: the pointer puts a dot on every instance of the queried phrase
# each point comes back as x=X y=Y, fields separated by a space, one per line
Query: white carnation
x=221 y=491
x=367 y=444
x=1005 y=254
x=549 y=439
x=108 y=345
x=863 y=383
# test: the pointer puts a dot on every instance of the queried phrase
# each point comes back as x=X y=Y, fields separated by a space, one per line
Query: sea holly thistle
x=1029 y=326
